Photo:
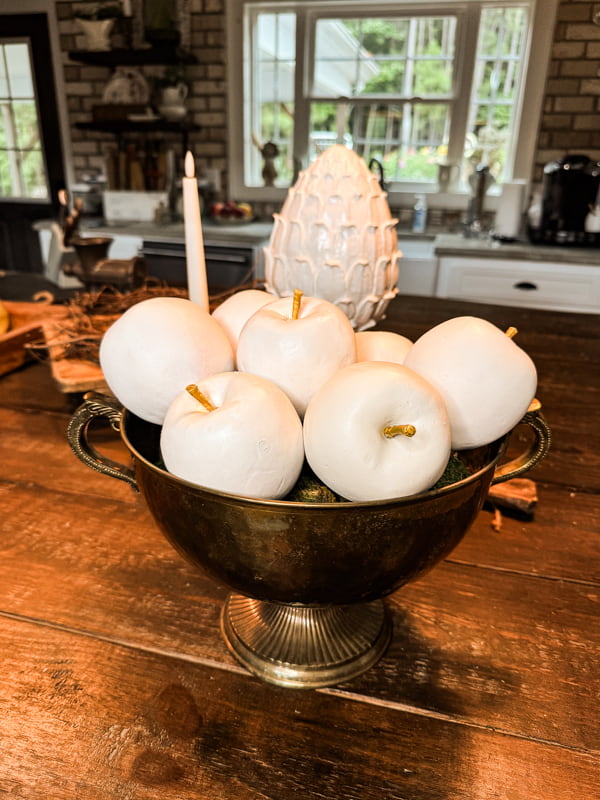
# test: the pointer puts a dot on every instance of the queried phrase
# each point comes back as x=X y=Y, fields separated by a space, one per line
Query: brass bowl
x=307 y=578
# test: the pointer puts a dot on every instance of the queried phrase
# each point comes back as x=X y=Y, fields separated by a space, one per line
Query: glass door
x=32 y=169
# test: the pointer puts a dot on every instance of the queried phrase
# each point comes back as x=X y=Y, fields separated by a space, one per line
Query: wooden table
x=116 y=682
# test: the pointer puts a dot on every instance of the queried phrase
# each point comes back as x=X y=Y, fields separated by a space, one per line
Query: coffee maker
x=569 y=189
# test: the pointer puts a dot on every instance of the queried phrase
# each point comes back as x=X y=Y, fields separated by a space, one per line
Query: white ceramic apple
x=487 y=381
x=247 y=439
x=382 y=346
x=375 y=431
x=233 y=313
x=297 y=343
x=156 y=348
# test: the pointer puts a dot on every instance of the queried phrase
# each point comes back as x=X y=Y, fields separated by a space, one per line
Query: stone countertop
x=250 y=233
x=457 y=245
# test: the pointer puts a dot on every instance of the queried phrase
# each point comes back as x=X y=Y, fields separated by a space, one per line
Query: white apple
x=381 y=346
x=233 y=313
x=156 y=348
x=375 y=431
x=297 y=343
x=487 y=381
x=248 y=441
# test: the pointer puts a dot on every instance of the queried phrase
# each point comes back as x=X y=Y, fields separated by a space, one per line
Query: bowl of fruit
x=310 y=482
x=230 y=212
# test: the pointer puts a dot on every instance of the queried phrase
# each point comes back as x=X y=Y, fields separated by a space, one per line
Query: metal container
x=307 y=578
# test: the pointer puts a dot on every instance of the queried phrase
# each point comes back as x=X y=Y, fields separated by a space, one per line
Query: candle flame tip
x=189 y=165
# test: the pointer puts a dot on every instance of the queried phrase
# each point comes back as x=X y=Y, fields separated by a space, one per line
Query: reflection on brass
x=307 y=579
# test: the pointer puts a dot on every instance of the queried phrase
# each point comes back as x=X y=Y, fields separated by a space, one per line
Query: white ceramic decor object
x=233 y=313
x=375 y=431
x=298 y=343
x=246 y=441
x=382 y=346
x=486 y=380
x=156 y=348
x=335 y=238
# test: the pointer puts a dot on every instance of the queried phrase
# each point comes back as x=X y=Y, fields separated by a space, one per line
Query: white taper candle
x=194 y=244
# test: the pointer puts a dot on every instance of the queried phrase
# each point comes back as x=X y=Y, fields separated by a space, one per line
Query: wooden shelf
x=165 y=54
x=126 y=125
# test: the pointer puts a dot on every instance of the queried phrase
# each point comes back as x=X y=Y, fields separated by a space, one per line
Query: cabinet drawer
x=556 y=286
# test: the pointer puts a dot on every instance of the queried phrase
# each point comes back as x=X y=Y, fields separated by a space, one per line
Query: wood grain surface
x=117 y=684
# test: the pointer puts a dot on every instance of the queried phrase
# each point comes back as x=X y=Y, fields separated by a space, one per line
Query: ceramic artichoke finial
x=335 y=238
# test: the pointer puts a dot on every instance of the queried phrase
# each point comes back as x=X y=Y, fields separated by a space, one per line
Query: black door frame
x=19 y=243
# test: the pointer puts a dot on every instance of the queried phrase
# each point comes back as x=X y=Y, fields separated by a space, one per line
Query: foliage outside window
x=410 y=85
x=22 y=166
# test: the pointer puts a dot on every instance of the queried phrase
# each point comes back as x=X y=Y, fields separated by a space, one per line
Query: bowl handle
x=537 y=451
x=97 y=405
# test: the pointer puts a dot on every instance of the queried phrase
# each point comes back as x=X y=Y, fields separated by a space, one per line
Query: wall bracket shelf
x=129 y=57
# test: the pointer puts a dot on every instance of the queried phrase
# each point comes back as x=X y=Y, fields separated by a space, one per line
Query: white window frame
x=526 y=122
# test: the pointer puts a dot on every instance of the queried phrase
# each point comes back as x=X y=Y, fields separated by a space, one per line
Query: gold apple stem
x=201 y=398
x=296 y=303
x=399 y=430
x=511 y=332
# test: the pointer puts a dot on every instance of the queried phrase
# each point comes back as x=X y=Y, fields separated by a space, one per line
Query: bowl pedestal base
x=305 y=647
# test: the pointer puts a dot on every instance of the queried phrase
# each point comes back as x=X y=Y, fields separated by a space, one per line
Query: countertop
x=251 y=233
x=458 y=245
x=440 y=244
x=116 y=682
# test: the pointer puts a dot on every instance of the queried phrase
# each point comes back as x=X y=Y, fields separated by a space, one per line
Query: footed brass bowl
x=306 y=578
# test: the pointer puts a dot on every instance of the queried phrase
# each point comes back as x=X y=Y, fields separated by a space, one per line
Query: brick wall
x=571 y=113
x=85 y=85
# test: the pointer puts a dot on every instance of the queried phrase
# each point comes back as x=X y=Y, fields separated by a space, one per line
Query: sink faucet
x=480 y=182
x=374 y=162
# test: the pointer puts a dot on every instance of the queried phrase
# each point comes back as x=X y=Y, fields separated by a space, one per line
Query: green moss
x=455 y=471
x=309 y=489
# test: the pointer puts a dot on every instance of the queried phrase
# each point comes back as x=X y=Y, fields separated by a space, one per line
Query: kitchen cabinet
x=549 y=285
x=417 y=271
x=518 y=274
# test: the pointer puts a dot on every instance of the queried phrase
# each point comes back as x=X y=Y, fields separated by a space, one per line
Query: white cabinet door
x=418 y=267
x=562 y=287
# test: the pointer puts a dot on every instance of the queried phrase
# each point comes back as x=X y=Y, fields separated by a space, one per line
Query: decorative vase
x=335 y=238
x=97 y=32
x=172 y=100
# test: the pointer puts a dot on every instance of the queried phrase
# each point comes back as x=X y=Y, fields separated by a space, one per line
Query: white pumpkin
x=335 y=238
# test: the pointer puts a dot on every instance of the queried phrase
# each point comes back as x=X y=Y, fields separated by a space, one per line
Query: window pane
x=400 y=57
x=19 y=70
x=271 y=76
x=410 y=139
x=22 y=167
x=498 y=73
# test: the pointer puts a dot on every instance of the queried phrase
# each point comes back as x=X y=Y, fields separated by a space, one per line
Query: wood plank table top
x=117 y=684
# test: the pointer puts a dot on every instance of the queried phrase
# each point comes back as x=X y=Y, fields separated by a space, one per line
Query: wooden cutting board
x=27 y=328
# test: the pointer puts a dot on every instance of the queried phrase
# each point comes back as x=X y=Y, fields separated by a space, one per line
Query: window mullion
x=303 y=80
x=466 y=51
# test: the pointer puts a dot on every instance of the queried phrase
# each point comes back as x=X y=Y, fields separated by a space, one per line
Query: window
x=22 y=168
x=411 y=86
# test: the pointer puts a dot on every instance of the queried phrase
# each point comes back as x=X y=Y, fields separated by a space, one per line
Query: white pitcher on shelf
x=172 y=102
x=592 y=220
